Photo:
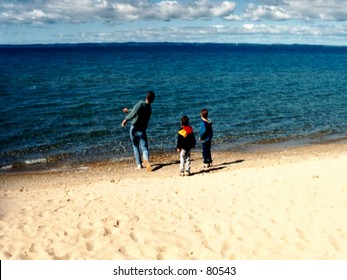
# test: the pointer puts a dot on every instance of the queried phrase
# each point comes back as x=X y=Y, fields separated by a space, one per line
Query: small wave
x=34 y=161
x=6 y=167
x=23 y=164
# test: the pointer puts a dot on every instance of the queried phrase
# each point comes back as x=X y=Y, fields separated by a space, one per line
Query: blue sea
x=62 y=104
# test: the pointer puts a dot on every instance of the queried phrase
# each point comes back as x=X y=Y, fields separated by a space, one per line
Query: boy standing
x=185 y=142
x=206 y=134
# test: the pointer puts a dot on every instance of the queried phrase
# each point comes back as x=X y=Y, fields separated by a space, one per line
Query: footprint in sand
x=226 y=246
x=134 y=219
x=7 y=255
x=89 y=234
x=218 y=227
x=334 y=243
x=206 y=244
x=160 y=252
x=90 y=246
x=122 y=250
x=133 y=237
x=107 y=231
x=301 y=234
x=225 y=249
x=57 y=253
x=44 y=214
x=33 y=248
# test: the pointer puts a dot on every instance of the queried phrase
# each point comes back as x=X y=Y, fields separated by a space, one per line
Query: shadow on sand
x=158 y=166
x=216 y=167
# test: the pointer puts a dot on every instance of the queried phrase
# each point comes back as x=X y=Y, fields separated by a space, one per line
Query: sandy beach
x=261 y=205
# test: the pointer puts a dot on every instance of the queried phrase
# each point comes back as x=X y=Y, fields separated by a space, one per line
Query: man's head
x=150 y=96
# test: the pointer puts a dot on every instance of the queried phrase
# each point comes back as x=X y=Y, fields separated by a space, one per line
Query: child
x=206 y=134
x=185 y=142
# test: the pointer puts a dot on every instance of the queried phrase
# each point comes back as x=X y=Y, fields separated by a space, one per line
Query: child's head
x=204 y=113
x=185 y=120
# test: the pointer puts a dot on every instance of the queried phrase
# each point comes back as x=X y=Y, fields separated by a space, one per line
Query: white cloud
x=254 y=12
x=223 y=10
x=77 y=11
x=110 y=10
x=174 y=20
x=298 y=9
x=248 y=26
x=320 y=9
x=247 y=32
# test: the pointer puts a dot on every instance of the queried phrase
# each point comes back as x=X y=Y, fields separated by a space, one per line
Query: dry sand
x=282 y=204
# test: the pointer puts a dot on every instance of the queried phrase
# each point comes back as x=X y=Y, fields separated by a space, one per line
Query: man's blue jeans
x=139 y=141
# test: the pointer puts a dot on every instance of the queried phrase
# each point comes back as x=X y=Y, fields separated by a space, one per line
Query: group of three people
x=140 y=115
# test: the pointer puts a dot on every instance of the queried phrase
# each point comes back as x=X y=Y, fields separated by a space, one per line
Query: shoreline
x=279 y=204
x=43 y=165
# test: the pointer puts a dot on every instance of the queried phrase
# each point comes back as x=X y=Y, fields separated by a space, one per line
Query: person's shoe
x=181 y=173
x=139 y=166
x=206 y=165
x=187 y=173
x=148 y=166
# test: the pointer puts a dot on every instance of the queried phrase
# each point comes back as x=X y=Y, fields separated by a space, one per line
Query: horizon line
x=165 y=42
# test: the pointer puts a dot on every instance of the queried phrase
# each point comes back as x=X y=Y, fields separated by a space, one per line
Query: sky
x=317 y=22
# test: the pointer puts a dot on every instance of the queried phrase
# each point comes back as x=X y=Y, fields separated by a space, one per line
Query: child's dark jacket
x=186 y=138
x=206 y=131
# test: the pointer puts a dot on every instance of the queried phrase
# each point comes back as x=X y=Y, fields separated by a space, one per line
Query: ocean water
x=63 y=103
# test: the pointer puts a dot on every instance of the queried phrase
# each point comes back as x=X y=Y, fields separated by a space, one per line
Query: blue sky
x=251 y=21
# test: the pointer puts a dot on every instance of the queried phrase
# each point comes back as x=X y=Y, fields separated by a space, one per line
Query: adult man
x=139 y=116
